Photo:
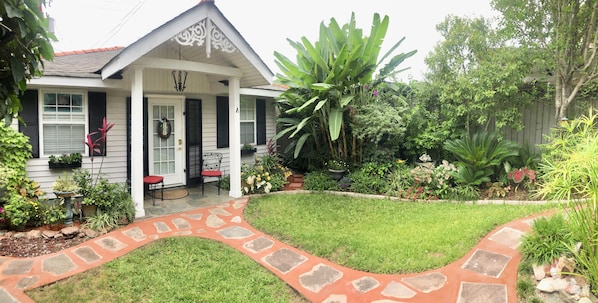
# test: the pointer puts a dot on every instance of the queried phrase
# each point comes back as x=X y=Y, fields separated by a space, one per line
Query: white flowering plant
x=434 y=180
x=337 y=164
x=265 y=176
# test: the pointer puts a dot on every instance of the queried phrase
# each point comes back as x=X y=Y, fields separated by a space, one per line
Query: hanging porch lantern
x=180 y=80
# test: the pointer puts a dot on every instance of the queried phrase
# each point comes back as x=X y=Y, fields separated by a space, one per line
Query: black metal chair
x=211 y=168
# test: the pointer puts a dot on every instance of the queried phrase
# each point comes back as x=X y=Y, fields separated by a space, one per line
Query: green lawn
x=374 y=235
x=380 y=235
x=180 y=269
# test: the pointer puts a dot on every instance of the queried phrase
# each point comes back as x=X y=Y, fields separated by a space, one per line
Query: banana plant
x=325 y=82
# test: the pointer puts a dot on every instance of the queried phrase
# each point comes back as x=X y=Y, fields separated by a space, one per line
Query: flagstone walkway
x=486 y=274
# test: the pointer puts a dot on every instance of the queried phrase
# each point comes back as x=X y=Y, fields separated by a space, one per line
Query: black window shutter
x=30 y=116
x=260 y=110
x=221 y=122
x=97 y=111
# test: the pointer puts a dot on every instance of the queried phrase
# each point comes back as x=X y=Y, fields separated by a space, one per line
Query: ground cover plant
x=179 y=269
x=379 y=235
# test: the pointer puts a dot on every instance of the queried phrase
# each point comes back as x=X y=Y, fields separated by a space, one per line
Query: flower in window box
x=65 y=160
x=248 y=149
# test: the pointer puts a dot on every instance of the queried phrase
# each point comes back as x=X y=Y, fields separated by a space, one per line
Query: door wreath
x=164 y=128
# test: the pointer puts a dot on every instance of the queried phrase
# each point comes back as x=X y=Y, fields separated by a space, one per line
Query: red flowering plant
x=91 y=186
x=524 y=176
x=98 y=146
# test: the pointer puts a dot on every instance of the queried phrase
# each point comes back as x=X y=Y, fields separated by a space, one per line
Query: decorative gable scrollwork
x=205 y=31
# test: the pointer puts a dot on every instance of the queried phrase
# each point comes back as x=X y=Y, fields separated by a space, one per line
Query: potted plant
x=337 y=168
x=72 y=160
x=247 y=149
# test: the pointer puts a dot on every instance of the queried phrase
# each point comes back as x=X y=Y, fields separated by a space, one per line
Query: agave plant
x=481 y=152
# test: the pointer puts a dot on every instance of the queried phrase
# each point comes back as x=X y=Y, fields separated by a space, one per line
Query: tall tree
x=477 y=76
x=328 y=80
x=563 y=35
x=24 y=43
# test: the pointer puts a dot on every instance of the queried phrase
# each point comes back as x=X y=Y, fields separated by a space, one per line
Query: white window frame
x=42 y=122
x=251 y=102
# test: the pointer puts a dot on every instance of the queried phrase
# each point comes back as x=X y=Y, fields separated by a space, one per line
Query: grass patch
x=180 y=269
x=380 y=235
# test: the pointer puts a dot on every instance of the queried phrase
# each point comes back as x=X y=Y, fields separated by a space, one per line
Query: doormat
x=171 y=194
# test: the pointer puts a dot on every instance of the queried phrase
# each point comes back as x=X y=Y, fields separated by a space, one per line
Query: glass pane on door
x=164 y=148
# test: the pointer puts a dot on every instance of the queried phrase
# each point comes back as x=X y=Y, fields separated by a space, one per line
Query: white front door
x=166 y=134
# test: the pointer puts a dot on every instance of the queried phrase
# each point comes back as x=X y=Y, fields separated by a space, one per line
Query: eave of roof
x=80 y=63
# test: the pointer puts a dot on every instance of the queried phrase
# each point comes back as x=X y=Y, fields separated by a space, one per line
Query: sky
x=265 y=24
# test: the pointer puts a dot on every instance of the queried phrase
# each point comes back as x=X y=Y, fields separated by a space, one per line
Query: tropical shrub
x=399 y=179
x=480 y=154
x=362 y=181
x=319 y=181
x=53 y=212
x=569 y=171
x=381 y=125
x=21 y=211
x=435 y=180
x=330 y=79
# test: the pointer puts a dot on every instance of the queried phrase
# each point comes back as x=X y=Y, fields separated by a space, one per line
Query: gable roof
x=255 y=71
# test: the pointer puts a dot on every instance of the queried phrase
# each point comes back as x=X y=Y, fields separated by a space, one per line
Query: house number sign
x=164 y=128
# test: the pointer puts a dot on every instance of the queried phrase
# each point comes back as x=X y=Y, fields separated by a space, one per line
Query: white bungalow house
x=227 y=100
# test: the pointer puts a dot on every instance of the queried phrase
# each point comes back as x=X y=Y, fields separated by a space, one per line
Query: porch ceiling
x=236 y=60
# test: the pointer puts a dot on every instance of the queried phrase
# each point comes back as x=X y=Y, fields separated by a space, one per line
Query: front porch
x=193 y=200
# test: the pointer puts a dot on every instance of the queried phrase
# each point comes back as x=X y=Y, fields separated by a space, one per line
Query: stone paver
x=196 y=217
x=235 y=232
x=319 y=277
x=181 y=223
x=26 y=282
x=214 y=221
x=17 y=267
x=135 y=233
x=365 y=284
x=336 y=299
x=5 y=297
x=219 y=211
x=487 y=263
x=508 y=237
x=162 y=227
x=426 y=283
x=482 y=293
x=398 y=290
x=110 y=243
x=284 y=260
x=259 y=244
x=58 y=265
x=87 y=254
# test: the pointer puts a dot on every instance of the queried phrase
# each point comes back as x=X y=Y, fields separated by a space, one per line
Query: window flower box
x=65 y=161
x=247 y=149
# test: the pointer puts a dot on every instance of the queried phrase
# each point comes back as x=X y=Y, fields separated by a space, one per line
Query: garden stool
x=152 y=182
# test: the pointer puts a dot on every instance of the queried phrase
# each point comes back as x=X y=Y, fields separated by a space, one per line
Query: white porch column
x=137 y=142
x=234 y=135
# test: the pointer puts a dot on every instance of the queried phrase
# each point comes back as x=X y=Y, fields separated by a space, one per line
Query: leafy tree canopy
x=477 y=76
x=564 y=38
x=24 y=42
